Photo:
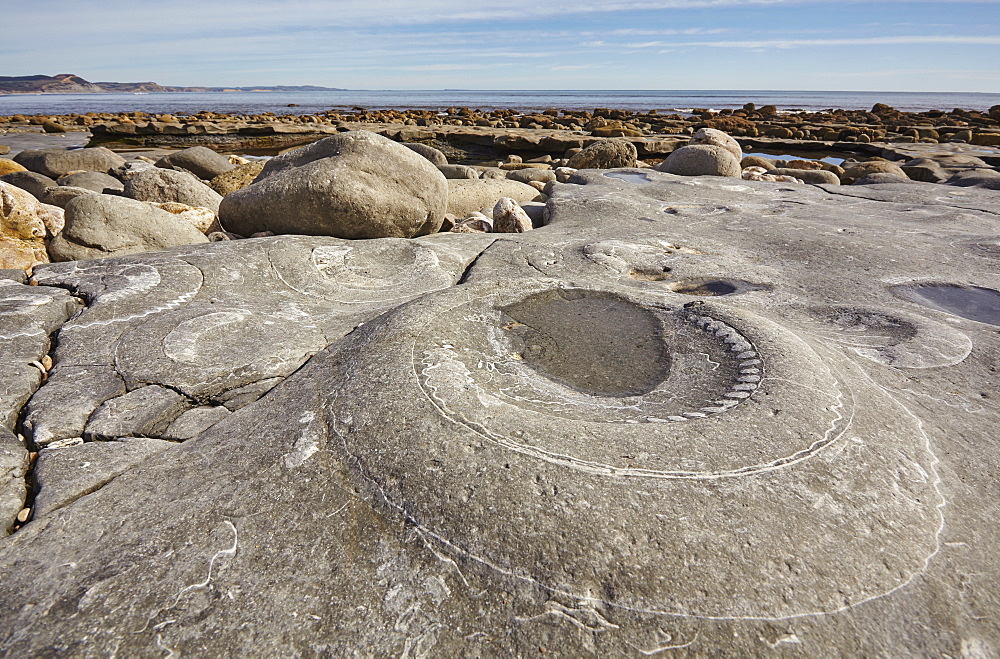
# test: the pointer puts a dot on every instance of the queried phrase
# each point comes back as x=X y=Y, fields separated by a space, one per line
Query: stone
x=532 y=175
x=96 y=181
x=30 y=181
x=63 y=475
x=718 y=416
x=162 y=185
x=198 y=160
x=61 y=408
x=979 y=178
x=129 y=169
x=435 y=156
x=701 y=160
x=458 y=171
x=352 y=185
x=239 y=177
x=142 y=412
x=7 y=166
x=52 y=126
x=58 y=162
x=99 y=226
x=813 y=176
x=880 y=178
x=475 y=223
x=22 y=229
x=926 y=170
x=508 y=217
x=856 y=170
x=60 y=195
x=466 y=197
x=202 y=219
x=54 y=220
x=194 y=422
x=13 y=467
x=714 y=137
x=606 y=154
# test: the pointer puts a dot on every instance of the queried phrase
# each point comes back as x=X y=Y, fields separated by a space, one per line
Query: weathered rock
x=529 y=175
x=239 y=177
x=30 y=181
x=606 y=154
x=435 y=156
x=63 y=475
x=701 y=160
x=129 y=169
x=714 y=137
x=52 y=126
x=722 y=417
x=925 y=170
x=814 y=176
x=202 y=219
x=22 y=229
x=980 y=178
x=352 y=185
x=58 y=162
x=142 y=412
x=466 y=197
x=199 y=160
x=162 y=185
x=96 y=181
x=508 y=217
x=13 y=467
x=60 y=195
x=458 y=171
x=99 y=226
x=856 y=170
x=879 y=178
x=194 y=422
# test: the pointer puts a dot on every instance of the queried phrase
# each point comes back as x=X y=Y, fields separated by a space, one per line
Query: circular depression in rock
x=595 y=342
x=971 y=302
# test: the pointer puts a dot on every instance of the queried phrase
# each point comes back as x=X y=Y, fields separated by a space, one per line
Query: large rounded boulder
x=99 y=225
x=702 y=160
x=715 y=137
x=199 y=160
x=163 y=185
x=57 y=162
x=352 y=185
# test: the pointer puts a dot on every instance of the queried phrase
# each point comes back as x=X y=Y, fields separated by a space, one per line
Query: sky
x=861 y=45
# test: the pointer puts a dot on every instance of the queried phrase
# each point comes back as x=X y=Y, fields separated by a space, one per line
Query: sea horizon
x=306 y=102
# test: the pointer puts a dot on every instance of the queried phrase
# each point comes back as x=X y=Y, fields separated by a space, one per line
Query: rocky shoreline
x=587 y=384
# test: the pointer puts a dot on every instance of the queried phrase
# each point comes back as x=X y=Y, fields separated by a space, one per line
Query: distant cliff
x=68 y=83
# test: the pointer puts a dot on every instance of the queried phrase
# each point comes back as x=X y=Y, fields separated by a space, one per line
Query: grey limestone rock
x=58 y=162
x=606 y=154
x=61 y=195
x=458 y=171
x=715 y=137
x=814 y=176
x=13 y=467
x=195 y=421
x=142 y=412
x=689 y=413
x=99 y=226
x=701 y=160
x=352 y=185
x=199 y=160
x=63 y=475
x=161 y=185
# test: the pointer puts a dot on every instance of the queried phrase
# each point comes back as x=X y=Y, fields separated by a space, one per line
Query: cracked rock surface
x=718 y=416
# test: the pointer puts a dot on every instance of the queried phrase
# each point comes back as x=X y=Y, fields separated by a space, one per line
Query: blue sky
x=874 y=45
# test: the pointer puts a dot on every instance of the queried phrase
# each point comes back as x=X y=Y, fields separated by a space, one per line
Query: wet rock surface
x=688 y=412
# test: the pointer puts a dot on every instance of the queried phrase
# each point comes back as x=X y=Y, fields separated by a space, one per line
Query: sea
x=308 y=102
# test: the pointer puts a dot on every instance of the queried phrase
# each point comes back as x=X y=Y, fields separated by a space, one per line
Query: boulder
x=758 y=161
x=529 y=175
x=57 y=162
x=53 y=126
x=814 y=176
x=60 y=195
x=702 y=160
x=22 y=229
x=880 y=178
x=202 y=219
x=352 y=185
x=161 y=185
x=32 y=182
x=7 y=166
x=466 y=197
x=436 y=156
x=856 y=170
x=199 y=160
x=926 y=170
x=240 y=176
x=508 y=217
x=99 y=226
x=96 y=181
x=606 y=154
x=714 y=137
x=978 y=178
x=458 y=171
